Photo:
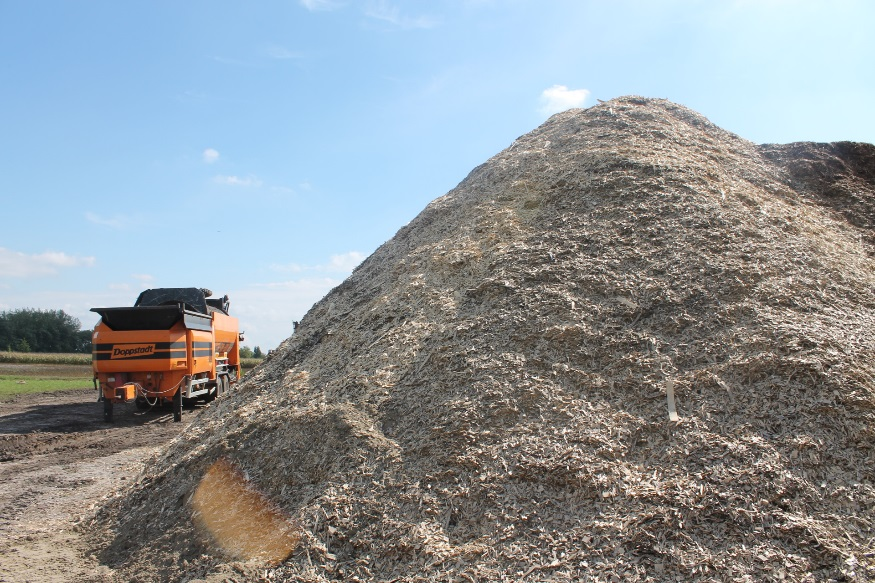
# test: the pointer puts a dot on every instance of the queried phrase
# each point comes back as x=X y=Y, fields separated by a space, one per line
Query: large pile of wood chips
x=630 y=347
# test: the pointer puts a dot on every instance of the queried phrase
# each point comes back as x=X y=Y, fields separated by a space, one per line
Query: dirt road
x=57 y=460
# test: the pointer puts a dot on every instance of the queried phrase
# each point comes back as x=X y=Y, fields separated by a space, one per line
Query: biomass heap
x=631 y=345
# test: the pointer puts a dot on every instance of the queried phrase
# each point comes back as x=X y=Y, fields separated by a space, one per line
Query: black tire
x=221 y=385
x=177 y=405
x=107 y=410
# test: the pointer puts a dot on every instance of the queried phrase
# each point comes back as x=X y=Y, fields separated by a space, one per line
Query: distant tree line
x=28 y=330
x=246 y=352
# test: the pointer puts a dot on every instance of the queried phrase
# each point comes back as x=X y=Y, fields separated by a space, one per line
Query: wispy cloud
x=210 y=155
x=346 y=262
x=283 y=190
x=143 y=280
x=282 y=53
x=115 y=222
x=385 y=12
x=267 y=310
x=337 y=264
x=24 y=265
x=559 y=98
x=321 y=5
x=237 y=62
x=379 y=10
x=249 y=181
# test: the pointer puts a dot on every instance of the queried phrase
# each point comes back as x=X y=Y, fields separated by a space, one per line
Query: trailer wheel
x=107 y=410
x=177 y=406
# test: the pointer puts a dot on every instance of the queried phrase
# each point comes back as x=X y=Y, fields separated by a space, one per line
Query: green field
x=28 y=372
x=16 y=385
x=17 y=378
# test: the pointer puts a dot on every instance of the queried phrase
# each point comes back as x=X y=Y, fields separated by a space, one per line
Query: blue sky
x=264 y=149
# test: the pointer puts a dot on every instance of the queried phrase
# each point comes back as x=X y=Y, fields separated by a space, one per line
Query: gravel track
x=57 y=460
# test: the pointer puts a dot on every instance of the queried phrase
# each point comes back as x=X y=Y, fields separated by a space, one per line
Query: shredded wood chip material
x=485 y=398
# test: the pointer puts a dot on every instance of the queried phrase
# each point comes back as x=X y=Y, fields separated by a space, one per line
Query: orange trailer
x=174 y=344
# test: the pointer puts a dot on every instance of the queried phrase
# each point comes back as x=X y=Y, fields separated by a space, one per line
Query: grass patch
x=20 y=384
x=37 y=377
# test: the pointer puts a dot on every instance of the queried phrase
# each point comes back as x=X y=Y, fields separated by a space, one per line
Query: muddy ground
x=57 y=460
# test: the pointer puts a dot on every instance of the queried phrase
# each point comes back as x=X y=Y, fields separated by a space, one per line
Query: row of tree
x=28 y=330
x=246 y=352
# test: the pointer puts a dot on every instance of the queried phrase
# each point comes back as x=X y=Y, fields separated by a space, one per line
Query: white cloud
x=346 y=262
x=116 y=222
x=337 y=264
x=210 y=155
x=267 y=311
x=385 y=12
x=143 y=281
x=318 y=5
x=23 y=265
x=250 y=181
x=559 y=98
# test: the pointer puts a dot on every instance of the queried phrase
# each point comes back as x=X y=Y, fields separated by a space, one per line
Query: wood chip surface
x=488 y=396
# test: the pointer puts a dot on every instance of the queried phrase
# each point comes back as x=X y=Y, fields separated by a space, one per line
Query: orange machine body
x=153 y=354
